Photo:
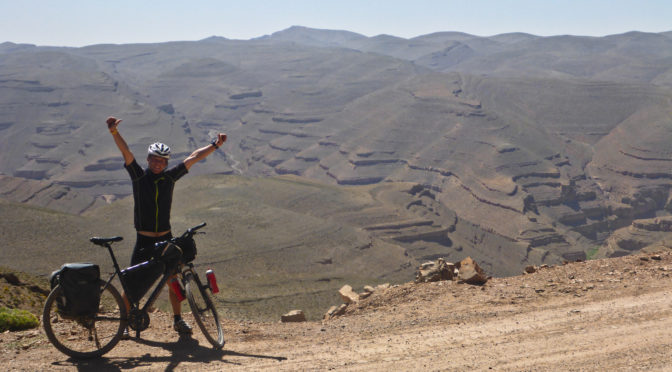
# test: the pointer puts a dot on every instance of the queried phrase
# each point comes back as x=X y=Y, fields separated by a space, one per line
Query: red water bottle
x=212 y=281
x=177 y=289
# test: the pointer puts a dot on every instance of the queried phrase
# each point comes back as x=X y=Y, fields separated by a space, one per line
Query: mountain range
x=515 y=148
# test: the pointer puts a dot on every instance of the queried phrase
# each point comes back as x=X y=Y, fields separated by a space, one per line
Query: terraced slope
x=529 y=148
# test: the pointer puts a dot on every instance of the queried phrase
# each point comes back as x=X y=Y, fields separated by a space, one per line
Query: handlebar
x=192 y=231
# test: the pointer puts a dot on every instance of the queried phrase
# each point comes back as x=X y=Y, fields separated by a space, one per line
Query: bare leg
x=128 y=304
x=179 y=324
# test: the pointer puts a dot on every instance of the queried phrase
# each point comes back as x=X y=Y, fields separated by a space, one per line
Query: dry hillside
x=545 y=146
x=610 y=314
x=352 y=160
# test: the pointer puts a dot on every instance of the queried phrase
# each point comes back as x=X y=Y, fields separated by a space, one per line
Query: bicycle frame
x=135 y=305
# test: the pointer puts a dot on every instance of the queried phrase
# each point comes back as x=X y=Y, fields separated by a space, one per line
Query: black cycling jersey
x=153 y=196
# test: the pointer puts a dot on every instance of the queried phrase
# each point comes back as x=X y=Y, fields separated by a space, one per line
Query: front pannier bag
x=81 y=288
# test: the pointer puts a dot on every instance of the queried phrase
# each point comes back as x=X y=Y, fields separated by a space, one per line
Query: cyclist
x=153 y=194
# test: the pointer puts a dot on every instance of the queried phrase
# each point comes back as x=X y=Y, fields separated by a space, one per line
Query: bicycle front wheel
x=204 y=310
x=83 y=337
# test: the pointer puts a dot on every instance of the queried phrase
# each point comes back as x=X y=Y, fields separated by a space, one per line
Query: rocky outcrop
x=348 y=295
x=465 y=272
x=335 y=311
x=639 y=235
x=435 y=271
x=541 y=236
x=293 y=316
x=654 y=224
x=471 y=273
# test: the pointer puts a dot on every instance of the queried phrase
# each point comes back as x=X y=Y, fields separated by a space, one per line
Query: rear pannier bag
x=139 y=278
x=80 y=283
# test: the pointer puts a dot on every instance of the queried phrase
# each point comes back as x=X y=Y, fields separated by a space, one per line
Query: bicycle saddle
x=103 y=241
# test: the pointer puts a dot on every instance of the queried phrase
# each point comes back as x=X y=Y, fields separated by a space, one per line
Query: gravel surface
x=613 y=314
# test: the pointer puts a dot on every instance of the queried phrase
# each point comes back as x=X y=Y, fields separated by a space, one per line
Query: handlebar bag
x=169 y=253
x=188 y=247
x=81 y=288
x=139 y=278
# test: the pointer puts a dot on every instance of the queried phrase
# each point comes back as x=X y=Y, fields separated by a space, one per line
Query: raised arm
x=203 y=152
x=112 y=124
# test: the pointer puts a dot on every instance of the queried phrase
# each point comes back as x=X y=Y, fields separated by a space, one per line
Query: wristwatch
x=214 y=143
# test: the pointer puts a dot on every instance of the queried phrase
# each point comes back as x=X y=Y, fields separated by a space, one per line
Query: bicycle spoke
x=85 y=337
x=204 y=310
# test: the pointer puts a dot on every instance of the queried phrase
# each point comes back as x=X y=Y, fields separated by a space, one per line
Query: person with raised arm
x=153 y=196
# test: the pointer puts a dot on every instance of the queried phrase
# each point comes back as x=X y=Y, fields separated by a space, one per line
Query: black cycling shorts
x=144 y=247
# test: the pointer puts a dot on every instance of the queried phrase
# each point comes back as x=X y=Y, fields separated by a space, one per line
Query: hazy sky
x=86 y=22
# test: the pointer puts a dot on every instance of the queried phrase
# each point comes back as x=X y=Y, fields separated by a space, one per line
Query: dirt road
x=599 y=315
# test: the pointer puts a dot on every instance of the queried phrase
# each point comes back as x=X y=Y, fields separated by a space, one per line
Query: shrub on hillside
x=16 y=320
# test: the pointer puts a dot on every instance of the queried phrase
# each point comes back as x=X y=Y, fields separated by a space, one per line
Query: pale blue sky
x=86 y=22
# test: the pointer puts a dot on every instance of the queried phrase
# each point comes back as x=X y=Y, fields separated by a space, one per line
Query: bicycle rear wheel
x=204 y=310
x=84 y=337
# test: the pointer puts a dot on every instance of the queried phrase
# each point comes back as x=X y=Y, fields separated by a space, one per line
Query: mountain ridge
x=542 y=146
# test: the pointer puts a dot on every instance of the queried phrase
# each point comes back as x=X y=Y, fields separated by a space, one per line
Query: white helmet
x=159 y=149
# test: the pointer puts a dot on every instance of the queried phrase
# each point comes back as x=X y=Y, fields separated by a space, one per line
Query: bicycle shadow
x=185 y=349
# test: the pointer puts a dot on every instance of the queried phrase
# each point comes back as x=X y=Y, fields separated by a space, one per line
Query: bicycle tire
x=85 y=337
x=204 y=309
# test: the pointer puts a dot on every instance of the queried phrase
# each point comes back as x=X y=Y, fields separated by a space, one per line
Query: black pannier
x=139 y=278
x=188 y=246
x=80 y=283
